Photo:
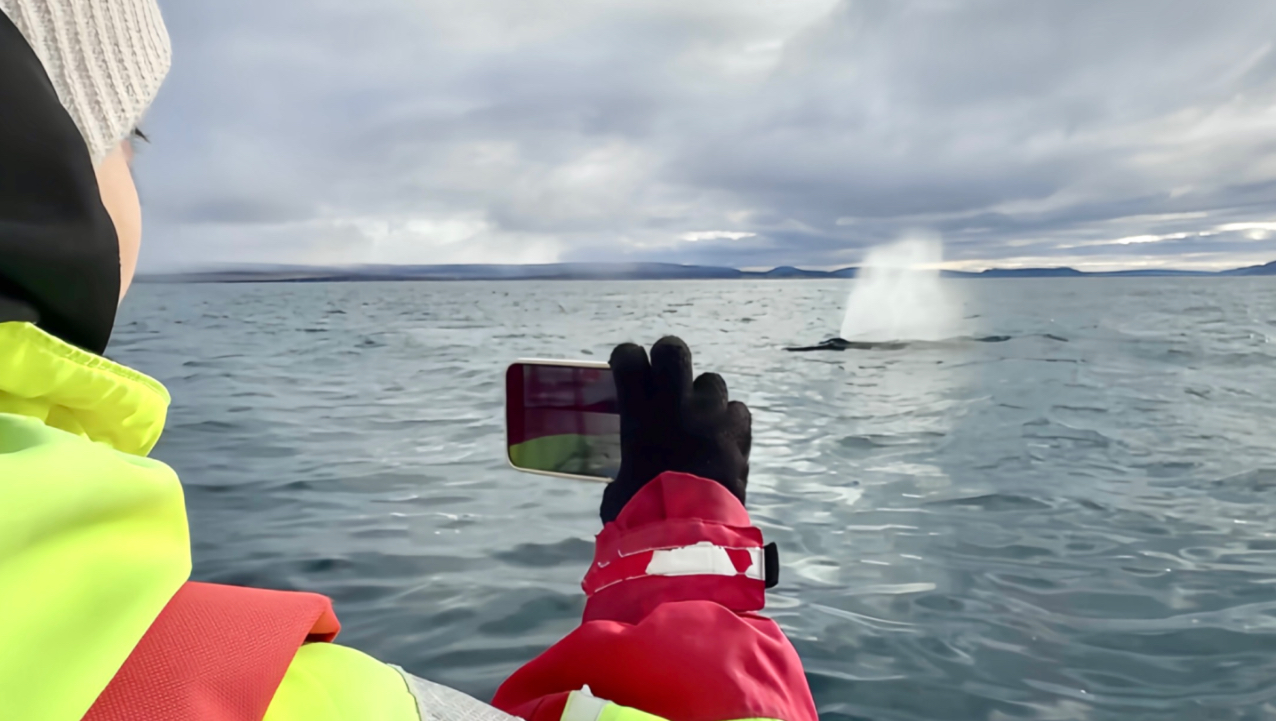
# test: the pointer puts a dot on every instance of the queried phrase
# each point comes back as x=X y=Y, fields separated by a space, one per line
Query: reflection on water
x=1028 y=529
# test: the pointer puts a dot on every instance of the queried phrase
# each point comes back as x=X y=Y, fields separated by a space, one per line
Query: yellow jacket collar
x=79 y=392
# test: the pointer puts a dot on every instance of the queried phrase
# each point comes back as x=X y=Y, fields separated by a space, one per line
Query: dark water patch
x=1260 y=482
x=1168 y=469
x=1079 y=409
x=534 y=614
x=1025 y=583
x=995 y=503
x=1011 y=552
x=324 y=565
x=1181 y=642
x=539 y=555
x=1050 y=430
x=878 y=441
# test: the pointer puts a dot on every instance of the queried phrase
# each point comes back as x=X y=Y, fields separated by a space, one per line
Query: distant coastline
x=614 y=271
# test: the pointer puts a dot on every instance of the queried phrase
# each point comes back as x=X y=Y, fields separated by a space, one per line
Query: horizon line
x=266 y=267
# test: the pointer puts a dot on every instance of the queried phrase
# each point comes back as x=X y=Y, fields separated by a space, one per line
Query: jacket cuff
x=680 y=538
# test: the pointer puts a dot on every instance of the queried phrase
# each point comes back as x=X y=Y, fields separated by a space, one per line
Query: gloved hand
x=668 y=423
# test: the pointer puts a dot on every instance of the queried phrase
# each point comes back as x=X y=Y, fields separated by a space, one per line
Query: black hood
x=59 y=256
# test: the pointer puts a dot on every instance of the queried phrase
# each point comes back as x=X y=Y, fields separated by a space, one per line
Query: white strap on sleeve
x=704 y=559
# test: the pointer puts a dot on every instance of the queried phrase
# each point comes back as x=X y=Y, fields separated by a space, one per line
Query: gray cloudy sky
x=1092 y=133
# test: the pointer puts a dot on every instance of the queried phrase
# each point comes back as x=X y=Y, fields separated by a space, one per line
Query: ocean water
x=1068 y=527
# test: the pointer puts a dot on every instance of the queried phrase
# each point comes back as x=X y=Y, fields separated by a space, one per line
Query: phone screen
x=561 y=419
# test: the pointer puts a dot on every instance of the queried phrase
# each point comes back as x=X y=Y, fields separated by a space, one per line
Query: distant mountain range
x=610 y=271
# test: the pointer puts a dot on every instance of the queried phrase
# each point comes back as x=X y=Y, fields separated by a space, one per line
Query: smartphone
x=561 y=419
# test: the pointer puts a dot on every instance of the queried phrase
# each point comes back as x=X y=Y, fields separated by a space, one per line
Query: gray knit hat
x=106 y=58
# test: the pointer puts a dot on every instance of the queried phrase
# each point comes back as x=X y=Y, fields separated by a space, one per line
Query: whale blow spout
x=898 y=295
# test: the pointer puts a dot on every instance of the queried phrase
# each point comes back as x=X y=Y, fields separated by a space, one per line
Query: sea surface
x=1069 y=527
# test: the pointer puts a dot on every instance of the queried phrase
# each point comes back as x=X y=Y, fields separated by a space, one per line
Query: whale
x=842 y=344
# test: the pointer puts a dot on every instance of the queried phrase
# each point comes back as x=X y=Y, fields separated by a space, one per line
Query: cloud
x=698 y=236
x=808 y=130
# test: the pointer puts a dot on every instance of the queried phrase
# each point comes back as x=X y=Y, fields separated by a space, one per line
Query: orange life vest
x=215 y=653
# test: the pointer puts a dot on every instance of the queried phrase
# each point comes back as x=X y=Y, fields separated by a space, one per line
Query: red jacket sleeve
x=670 y=625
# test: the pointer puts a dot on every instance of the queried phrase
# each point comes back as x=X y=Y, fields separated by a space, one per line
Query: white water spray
x=898 y=295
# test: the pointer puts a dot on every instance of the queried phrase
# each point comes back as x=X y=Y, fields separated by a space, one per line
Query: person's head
x=71 y=99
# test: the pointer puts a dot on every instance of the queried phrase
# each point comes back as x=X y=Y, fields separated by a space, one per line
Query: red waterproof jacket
x=671 y=624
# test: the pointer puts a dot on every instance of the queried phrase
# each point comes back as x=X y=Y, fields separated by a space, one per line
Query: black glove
x=668 y=423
